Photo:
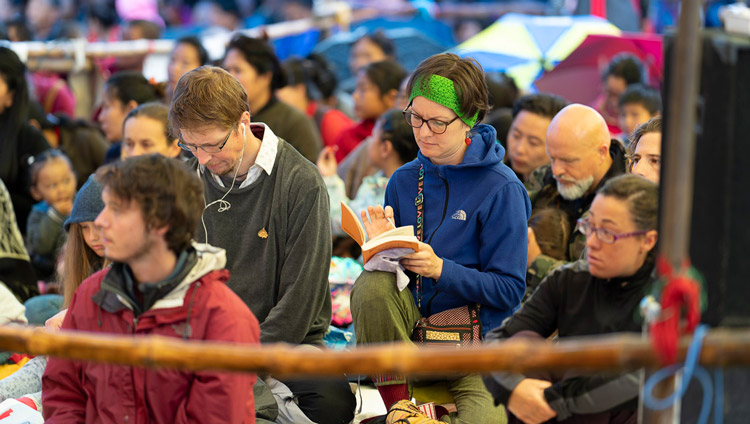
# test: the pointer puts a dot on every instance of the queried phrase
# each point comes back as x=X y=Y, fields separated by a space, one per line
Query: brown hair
x=467 y=76
x=640 y=195
x=156 y=111
x=207 y=96
x=653 y=125
x=79 y=261
x=552 y=230
x=166 y=191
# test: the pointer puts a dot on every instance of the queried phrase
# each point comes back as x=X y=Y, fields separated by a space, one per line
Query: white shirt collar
x=264 y=161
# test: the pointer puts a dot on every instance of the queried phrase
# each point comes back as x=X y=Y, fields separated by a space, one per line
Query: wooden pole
x=613 y=352
x=678 y=166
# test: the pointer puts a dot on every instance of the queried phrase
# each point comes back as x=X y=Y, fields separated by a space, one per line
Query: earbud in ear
x=244 y=127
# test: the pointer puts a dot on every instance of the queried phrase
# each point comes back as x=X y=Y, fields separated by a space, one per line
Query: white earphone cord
x=223 y=204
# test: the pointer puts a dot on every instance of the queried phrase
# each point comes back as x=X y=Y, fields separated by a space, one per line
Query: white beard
x=575 y=190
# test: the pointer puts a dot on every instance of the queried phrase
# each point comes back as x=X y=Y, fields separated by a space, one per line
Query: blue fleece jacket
x=476 y=216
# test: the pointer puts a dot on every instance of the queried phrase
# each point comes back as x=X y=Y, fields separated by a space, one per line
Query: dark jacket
x=198 y=307
x=292 y=125
x=542 y=189
x=14 y=169
x=573 y=302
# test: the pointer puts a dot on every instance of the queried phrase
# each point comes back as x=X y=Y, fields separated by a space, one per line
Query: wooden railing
x=721 y=348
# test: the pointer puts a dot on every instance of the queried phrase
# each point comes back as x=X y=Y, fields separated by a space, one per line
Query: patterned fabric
x=406 y=412
x=441 y=90
x=458 y=326
x=11 y=241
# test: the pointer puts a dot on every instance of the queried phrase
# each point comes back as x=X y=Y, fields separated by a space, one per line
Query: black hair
x=640 y=195
x=314 y=73
x=542 y=104
x=23 y=31
x=381 y=40
x=260 y=55
x=643 y=95
x=627 y=67
x=37 y=163
x=132 y=85
x=105 y=13
x=325 y=76
x=13 y=72
x=399 y=133
x=386 y=75
x=500 y=119
x=502 y=89
x=195 y=42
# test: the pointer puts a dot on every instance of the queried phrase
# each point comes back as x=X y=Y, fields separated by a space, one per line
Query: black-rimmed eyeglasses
x=435 y=125
x=208 y=148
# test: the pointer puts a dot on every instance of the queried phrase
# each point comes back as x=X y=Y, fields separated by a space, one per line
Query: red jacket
x=77 y=392
x=352 y=136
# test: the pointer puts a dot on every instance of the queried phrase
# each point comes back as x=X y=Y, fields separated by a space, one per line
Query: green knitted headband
x=440 y=90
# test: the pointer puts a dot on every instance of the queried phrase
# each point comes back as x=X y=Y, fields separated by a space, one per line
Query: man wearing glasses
x=582 y=158
x=268 y=207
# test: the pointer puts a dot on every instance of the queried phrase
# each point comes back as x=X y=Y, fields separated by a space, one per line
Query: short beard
x=576 y=190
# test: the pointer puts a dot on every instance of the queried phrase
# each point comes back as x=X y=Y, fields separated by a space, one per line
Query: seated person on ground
x=390 y=146
x=471 y=230
x=597 y=295
x=582 y=158
x=277 y=232
x=160 y=283
x=527 y=136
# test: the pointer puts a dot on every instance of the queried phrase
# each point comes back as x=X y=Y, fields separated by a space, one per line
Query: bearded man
x=582 y=158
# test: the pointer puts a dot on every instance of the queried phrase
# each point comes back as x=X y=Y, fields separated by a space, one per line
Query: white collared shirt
x=263 y=162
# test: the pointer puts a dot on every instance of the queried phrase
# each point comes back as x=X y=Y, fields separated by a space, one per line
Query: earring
x=467 y=140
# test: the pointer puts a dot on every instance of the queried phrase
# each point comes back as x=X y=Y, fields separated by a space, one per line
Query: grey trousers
x=383 y=314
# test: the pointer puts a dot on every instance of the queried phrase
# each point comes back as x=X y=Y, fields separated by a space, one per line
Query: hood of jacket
x=483 y=151
x=112 y=296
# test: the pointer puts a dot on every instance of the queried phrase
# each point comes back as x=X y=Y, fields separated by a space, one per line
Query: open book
x=402 y=237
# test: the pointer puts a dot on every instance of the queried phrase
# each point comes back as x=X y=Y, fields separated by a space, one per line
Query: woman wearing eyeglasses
x=597 y=295
x=473 y=214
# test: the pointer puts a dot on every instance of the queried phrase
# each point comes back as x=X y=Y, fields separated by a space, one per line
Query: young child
x=375 y=93
x=389 y=147
x=638 y=104
x=53 y=185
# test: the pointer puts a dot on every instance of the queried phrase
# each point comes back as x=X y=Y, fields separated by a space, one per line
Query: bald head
x=578 y=148
x=581 y=123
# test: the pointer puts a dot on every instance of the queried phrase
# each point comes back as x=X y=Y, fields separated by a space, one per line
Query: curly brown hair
x=165 y=189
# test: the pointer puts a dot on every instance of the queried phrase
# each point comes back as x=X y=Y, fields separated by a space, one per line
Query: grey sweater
x=292 y=125
x=278 y=241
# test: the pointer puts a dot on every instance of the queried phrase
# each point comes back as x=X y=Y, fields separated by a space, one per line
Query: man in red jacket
x=160 y=283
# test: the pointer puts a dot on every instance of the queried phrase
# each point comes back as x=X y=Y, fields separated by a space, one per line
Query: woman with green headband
x=472 y=220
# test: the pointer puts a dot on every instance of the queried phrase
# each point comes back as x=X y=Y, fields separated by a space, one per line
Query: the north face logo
x=459 y=215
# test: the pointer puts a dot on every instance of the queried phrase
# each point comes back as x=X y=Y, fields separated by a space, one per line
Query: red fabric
x=351 y=137
x=680 y=292
x=28 y=402
x=599 y=8
x=78 y=392
x=64 y=102
x=334 y=123
x=392 y=393
x=18 y=357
